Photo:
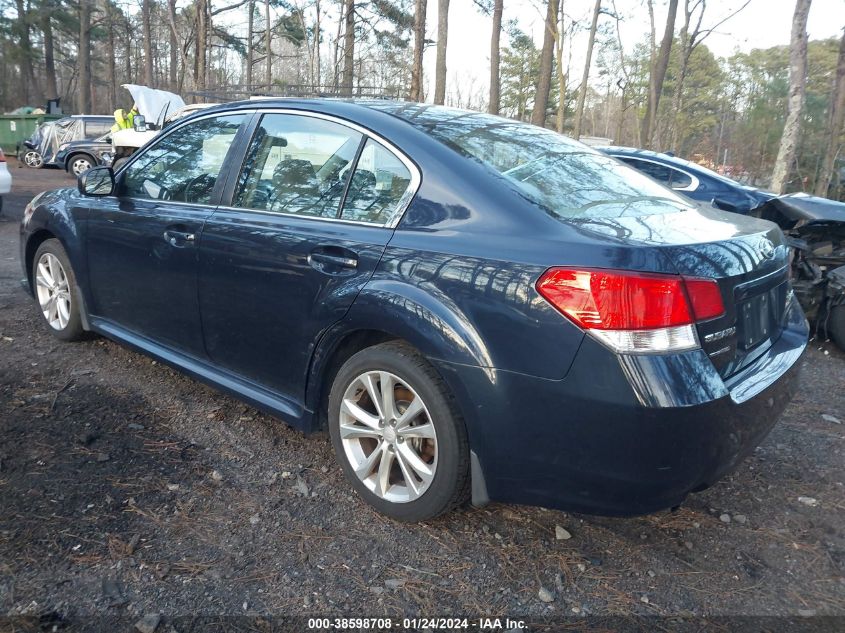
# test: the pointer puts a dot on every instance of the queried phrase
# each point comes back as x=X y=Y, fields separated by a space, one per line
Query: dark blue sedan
x=471 y=306
x=691 y=179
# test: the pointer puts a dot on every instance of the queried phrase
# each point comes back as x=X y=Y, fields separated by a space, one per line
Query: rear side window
x=93 y=129
x=378 y=185
x=655 y=171
x=679 y=180
x=297 y=164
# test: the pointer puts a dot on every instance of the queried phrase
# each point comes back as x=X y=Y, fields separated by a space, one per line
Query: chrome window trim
x=392 y=221
x=694 y=181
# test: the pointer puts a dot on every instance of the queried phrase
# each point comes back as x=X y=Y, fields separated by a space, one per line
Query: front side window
x=377 y=187
x=297 y=164
x=184 y=165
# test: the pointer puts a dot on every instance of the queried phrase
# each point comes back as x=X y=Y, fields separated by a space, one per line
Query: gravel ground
x=128 y=489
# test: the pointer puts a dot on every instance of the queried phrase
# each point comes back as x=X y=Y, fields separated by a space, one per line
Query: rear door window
x=297 y=164
x=679 y=179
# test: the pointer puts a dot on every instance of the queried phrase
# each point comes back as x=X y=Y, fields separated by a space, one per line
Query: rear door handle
x=336 y=260
x=333 y=259
x=179 y=238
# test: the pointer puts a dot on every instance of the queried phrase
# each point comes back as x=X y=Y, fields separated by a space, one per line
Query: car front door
x=310 y=215
x=142 y=243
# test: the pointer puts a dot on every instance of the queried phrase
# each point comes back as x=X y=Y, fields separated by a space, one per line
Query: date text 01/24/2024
x=413 y=624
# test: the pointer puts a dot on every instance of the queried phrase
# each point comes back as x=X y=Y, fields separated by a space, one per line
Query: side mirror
x=97 y=181
x=139 y=123
x=725 y=205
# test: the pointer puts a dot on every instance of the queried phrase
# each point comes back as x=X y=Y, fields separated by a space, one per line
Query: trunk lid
x=748 y=258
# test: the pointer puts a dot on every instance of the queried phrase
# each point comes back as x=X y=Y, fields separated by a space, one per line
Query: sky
x=762 y=24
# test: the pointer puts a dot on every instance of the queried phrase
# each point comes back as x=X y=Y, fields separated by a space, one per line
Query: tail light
x=633 y=312
x=2 y=156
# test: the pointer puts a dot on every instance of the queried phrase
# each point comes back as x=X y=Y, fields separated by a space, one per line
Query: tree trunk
x=111 y=64
x=442 y=42
x=347 y=79
x=683 y=61
x=495 y=59
x=146 y=34
x=658 y=74
x=795 y=101
x=582 y=93
x=836 y=123
x=544 y=79
x=83 y=92
x=51 y=87
x=200 y=61
x=21 y=25
x=416 y=93
x=561 y=74
x=174 y=48
x=318 y=79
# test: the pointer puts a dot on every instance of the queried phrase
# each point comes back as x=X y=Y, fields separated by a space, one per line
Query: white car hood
x=155 y=105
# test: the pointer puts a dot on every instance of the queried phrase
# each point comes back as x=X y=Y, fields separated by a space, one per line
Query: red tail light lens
x=622 y=300
x=705 y=298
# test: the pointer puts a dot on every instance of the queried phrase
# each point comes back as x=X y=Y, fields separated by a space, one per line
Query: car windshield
x=568 y=179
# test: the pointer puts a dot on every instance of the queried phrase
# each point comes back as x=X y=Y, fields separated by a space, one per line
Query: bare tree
x=83 y=93
x=146 y=34
x=442 y=41
x=495 y=58
x=174 y=48
x=836 y=123
x=416 y=92
x=21 y=25
x=561 y=73
x=657 y=75
x=268 y=47
x=582 y=93
x=544 y=79
x=795 y=101
x=51 y=86
x=348 y=47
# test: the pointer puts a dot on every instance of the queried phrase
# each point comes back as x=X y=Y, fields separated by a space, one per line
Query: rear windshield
x=568 y=179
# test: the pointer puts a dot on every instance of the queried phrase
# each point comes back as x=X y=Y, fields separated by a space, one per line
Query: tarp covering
x=154 y=104
x=50 y=135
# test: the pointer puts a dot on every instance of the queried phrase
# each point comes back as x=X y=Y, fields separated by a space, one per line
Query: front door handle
x=179 y=238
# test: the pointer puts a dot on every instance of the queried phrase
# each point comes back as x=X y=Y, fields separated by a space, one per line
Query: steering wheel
x=204 y=183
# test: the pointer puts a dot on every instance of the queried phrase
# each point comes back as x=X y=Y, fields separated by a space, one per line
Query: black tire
x=450 y=484
x=90 y=159
x=836 y=326
x=73 y=330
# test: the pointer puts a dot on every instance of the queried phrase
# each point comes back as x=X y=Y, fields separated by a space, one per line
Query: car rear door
x=308 y=219
x=142 y=243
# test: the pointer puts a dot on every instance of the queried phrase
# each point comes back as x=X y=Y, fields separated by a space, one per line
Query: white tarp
x=155 y=105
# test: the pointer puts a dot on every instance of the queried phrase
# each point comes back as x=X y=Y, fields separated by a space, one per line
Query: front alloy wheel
x=53 y=291
x=33 y=159
x=55 y=288
x=397 y=433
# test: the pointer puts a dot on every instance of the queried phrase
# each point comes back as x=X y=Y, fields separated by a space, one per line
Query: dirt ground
x=127 y=489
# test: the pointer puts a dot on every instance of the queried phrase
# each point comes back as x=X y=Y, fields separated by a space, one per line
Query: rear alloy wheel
x=80 y=164
x=55 y=288
x=397 y=434
x=33 y=159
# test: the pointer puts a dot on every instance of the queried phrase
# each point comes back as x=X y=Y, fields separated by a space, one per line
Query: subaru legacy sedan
x=472 y=307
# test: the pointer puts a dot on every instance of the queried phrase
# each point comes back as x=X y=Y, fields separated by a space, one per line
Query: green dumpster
x=15 y=128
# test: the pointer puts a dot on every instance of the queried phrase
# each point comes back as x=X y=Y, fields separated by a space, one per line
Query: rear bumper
x=623 y=436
